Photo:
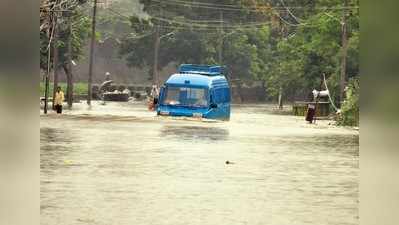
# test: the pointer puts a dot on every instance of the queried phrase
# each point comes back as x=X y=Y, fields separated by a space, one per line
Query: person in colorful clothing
x=58 y=100
x=154 y=96
x=311 y=107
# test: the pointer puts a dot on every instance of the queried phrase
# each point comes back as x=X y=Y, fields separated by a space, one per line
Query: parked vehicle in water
x=196 y=91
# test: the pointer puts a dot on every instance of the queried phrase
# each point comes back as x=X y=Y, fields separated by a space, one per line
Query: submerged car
x=196 y=91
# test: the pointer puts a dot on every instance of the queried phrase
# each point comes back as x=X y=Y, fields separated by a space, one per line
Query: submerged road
x=120 y=165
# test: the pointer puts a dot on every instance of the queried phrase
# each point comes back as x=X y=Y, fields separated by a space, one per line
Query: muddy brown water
x=118 y=164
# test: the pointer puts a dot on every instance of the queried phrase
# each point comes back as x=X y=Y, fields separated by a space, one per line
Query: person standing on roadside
x=311 y=106
x=58 y=100
x=153 y=100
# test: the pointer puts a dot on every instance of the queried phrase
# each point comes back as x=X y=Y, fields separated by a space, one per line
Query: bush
x=78 y=88
x=350 y=107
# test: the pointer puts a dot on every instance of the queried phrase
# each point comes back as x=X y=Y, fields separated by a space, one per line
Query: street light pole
x=70 y=75
x=47 y=80
x=156 y=55
x=55 y=59
x=155 y=73
x=344 y=53
x=93 y=38
x=221 y=39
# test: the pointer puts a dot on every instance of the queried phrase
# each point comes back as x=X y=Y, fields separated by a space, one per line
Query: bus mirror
x=161 y=92
x=213 y=106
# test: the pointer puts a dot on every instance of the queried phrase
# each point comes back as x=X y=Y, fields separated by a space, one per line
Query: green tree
x=196 y=40
x=309 y=46
x=80 y=32
x=63 y=31
x=350 y=108
x=287 y=47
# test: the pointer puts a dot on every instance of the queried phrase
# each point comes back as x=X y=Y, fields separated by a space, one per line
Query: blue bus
x=196 y=91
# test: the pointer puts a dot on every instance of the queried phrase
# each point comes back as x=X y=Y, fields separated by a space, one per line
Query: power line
x=202 y=23
x=189 y=27
x=140 y=36
x=208 y=25
x=240 y=6
x=206 y=4
x=204 y=28
x=289 y=23
x=246 y=9
x=269 y=8
x=199 y=24
x=329 y=95
x=196 y=23
x=289 y=11
x=119 y=14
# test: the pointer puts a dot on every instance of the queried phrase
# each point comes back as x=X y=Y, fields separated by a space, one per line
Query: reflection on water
x=193 y=133
x=51 y=135
x=118 y=164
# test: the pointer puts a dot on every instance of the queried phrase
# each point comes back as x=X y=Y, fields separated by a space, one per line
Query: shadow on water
x=331 y=144
x=56 y=145
x=344 y=144
x=194 y=133
x=52 y=135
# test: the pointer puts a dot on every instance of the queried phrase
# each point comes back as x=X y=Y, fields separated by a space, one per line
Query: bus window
x=222 y=95
x=228 y=97
x=218 y=96
x=185 y=96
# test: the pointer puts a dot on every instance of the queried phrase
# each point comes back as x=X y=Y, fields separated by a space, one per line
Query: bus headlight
x=164 y=113
x=197 y=115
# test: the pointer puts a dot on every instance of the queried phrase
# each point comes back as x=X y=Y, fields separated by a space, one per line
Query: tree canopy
x=71 y=21
x=284 y=43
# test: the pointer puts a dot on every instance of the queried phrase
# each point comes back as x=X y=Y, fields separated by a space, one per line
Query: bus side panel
x=226 y=102
x=221 y=98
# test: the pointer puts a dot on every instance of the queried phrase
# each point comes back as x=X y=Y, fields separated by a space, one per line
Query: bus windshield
x=186 y=96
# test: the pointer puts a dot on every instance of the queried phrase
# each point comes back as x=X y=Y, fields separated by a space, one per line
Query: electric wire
x=247 y=9
x=191 y=23
x=329 y=95
x=289 y=11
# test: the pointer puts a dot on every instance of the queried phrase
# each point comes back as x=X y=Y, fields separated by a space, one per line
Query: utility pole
x=93 y=39
x=221 y=39
x=316 y=108
x=344 y=52
x=280 y=98
x=69 y=75
x=55 y=60
x=47 y=80
x=280 y=90
x=157 y=43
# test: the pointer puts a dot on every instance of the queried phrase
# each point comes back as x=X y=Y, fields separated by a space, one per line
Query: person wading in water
x=58 y=100
x=154 y=96
x=311 y=108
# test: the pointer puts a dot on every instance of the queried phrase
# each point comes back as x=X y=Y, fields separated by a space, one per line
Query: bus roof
x=208 y=70
x=196 y=80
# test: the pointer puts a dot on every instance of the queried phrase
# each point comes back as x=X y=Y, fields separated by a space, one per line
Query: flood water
x=118 y=164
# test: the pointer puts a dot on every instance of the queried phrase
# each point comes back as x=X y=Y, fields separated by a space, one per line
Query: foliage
x=350 y=108
x=81 y=28
x=246 y=53
x=289 y=48
x=305 y=52
x=78 y=88
x=243 y=50
x=80 y=24
x=112 y=22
